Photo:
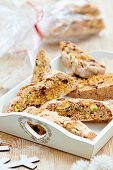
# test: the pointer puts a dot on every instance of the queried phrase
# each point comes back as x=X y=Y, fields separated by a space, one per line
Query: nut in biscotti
x=81 y=109
x=75 y=127
x=78 y=61
x=56 y=85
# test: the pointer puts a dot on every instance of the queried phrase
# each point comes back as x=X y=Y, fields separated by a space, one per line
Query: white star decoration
x=24 y=161
x=3 y=162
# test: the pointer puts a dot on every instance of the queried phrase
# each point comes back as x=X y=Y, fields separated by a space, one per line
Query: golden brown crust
x=25 y=89
x=34 y=110
x=98 y=87
x=80 y=62
x=42 y=67
x=91 y=135
x=86 y=9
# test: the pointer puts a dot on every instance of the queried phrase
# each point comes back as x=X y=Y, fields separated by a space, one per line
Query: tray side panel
x=104 y=138
x=54 y=137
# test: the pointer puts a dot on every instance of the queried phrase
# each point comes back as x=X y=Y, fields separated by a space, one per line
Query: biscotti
x=98 y=87
x=56 y=85
x=75 y=127
x=80 y=27
x=42 y=67
x=71 y=20
x=78 y=61
x=88 y=110
x=75 y=7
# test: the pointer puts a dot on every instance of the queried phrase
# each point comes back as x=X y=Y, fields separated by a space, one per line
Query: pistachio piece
x=71 y=54
x=31 y=98
x=39 y=62
x=93 y=107
x=67 y=105
x=87 y=9
x=77 y=107
x=55 y=79
x=58 y=96
x=24 y=100
x=17 y=107
x=59 y=82
x=94 y=23
x=50 y=98
x=70 y=81
x=66 y=90
x=87 y=115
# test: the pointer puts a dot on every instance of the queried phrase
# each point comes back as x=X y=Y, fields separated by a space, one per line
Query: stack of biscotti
x=69 y=112
x=88 y=80
x=75 y=127
x=67 y=19
x=92 y=81
x=56 y=84
x=78 y=61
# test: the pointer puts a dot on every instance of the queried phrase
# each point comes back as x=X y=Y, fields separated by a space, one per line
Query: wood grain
x=51 y=159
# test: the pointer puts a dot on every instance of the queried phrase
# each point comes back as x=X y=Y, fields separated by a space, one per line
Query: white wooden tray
x=56 y=136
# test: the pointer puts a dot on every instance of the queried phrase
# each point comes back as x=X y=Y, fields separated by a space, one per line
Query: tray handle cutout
x=36 y=130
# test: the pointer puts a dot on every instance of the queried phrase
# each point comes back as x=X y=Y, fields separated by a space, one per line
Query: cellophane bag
x=70 y=20
x=19 y=41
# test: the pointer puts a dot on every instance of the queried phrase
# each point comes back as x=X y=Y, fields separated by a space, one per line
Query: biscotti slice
x=80 y=62
x=42 y=67
x=56 y=85
x=54 y=77
x=81 y=109
x=72 y=20
x=75 y=127
x=74 y=7
x=86 y=9
x=98 y=87
x=81 y=7
x=74 y=27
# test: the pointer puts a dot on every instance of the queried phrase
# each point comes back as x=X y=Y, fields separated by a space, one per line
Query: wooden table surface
x=51 y=159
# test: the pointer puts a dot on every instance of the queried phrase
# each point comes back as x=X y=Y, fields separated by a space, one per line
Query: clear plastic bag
x=19 y=41
x=70 y=19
